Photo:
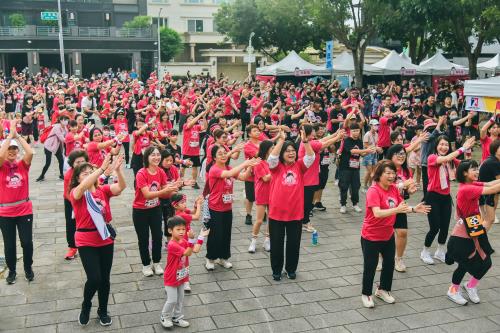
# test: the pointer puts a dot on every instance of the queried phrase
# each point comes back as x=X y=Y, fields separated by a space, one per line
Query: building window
x=195 y=25
x=163 y=21
x=218 y=2
x=193 y=1
x=159 y=1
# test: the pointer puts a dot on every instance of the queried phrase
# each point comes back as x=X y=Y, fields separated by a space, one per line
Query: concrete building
x=94 y=38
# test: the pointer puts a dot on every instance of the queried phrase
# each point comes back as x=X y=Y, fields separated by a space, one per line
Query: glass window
x=195 y=25
x=163 y=21
x=193 y=1
x=159 y=1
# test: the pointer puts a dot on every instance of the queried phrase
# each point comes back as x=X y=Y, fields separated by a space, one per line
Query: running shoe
x=104 y=318
x=224 y=263
x=385 y=296
x=472 y=294
x=166 y=322
x=29 y=275
x=367 y=301
x=343 y=209
x=357 y=209
x=425 y=255
x=157 y=269
x=267 y=244
x=456 y=296
x=253 y=244
x=11 y=278
x=83 y=318
x=181 y=323
x=210 y=265
x=319 y=206
x=399 y=265
x=147 y=271
x=187 y=287
x=71 y=254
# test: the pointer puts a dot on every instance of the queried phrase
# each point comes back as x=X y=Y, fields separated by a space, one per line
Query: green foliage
x=170 y=43
x=17 y=20
x=141 y=21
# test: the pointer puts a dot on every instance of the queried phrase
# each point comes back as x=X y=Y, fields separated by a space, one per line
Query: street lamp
x=250 y=50
x=61 y=43
x=159 y=49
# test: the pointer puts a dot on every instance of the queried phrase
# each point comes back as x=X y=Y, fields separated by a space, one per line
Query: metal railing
x=75 y=31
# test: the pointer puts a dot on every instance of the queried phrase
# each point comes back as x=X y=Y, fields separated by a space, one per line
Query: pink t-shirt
x=468 y=198
x=380 y=229
x=261 y=187
x=311 y=176
x=176 y=269
x=384 y=133
x=485 y=147
x=250 y=150
x=153 y=182
x=15 y=187
x=191 y=140
x=433 y=173
x=221 y=190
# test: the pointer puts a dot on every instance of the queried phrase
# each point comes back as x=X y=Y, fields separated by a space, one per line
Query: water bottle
x=315 y=238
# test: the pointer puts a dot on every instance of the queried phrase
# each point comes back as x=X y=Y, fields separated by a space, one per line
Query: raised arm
x=484 y=130
x=450 y=157
x=91 y=179
x=117 y=188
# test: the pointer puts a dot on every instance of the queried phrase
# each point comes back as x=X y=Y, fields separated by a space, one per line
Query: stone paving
x=324 y=298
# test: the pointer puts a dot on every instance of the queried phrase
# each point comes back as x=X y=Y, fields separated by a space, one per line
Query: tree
x=170 y=43
x=17 y=20
x=140 y=21
x=352 y=22
x=470 y=24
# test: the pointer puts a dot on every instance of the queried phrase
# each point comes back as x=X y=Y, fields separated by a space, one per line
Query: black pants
x=439 y=217
x=167 y=211
x=35 y=130
x=425 y=180
x=48 y=160
x=182 y=121
x=475 y=266
x=126 y=148
x=277 y=232
x=371 y=251
x=144 y=221
x=24 y=225
x=349 y=178
x=245 y=121
x=219 y=238
x=308 y=202
x=137 y=163
x=97 y=262
x=70 y=223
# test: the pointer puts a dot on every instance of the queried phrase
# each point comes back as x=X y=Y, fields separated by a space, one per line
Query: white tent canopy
x=344 y=65
x=439 y=65
x=404 y=56
x=393 y=64
x=290 y=64
x=485 y=88
x=492 y=65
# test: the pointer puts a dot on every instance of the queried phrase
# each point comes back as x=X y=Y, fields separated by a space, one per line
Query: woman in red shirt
x=142 y=140
x=96 y=253
x=97 y=148
x=164 y=127
x=467 y=246
x=121 y=127
x=441 y=166
x=16 y=210
x=191 y=142
x=151 y=185
x=262 y=181
x=287 y=182
x=220 y=203
x=75 y=158
x=383 y=203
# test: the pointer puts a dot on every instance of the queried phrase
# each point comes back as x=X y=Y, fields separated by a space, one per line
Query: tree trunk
x=472 y=65
x=358 y=56
x=412 y=44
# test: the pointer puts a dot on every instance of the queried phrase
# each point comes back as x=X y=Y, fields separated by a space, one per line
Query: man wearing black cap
x=337 y=115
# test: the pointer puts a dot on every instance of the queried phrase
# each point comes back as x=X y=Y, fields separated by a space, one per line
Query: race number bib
x=353 y=163
x=227 y=198
x=182 y=273
x=152 y=202
x=326 y=160
x=194 y=144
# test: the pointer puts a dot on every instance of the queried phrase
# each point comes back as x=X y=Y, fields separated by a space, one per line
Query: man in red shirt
x=250 y=150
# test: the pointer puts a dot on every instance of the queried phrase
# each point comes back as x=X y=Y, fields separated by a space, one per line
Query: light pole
x=159 y=49
x=250 y=50
x=61 y=42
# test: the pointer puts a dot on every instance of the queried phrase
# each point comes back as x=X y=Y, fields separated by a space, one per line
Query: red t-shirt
x=311 y=176
x=83 y=219
x=121 y=127
x=177 y=267
x=153 y=182
x=186 y=215
x=67 y=180
x=71 y=143
x=141 y=142
x=468 y=199
x=221 y=190
x=191 y=140
x=250 y=150
x=380 y=229
x=164 y=129
x=261 y=187
x=96 y=155
x=485 y=146
x=172 y=174
x=433 y=174
x=287 y=183
x=15 y=187
x=384 y=133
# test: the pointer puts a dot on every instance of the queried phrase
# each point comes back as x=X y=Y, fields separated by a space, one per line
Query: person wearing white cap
x=16 y=209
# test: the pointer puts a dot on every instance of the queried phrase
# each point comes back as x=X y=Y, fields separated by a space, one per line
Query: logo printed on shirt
x=14 y=181
x=391 y=202
x=290 y=178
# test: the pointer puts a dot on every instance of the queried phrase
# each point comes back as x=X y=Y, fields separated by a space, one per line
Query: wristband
x=192 y=241
x=493 y=119
x=461 y=150
x=201 y=239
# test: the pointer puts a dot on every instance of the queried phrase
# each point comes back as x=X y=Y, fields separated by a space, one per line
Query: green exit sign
x=49 y=16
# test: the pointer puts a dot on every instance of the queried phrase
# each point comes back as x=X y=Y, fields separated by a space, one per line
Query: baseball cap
x=13 y=143
x=374 y=122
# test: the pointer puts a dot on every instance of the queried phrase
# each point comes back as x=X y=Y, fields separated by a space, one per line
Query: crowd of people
x=175 y=133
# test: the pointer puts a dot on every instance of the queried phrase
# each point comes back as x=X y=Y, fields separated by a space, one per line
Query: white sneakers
x=253 y=244
x=385 y=296
x=472 y=294
x=225 y=263
x=147 y=270
x=343 y=209
x=399 y=265
x=357 y=209
x=169 y=323
x=158 y=269
x=210 y=265
x=425 y=255
x=440 y=253
x=456 y=296
x=187 y=287
x=367 y=301
x=267 y=244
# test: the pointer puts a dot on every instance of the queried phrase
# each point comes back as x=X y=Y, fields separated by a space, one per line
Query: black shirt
x=339 y=115
x=430 y=110
x=294 y=125
x=489 y=170
x=350 y=161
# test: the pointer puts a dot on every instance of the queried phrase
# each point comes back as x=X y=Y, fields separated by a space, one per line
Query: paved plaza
x=324 y=298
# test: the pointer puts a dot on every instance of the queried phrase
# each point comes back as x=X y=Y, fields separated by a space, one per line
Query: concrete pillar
x=33 y=62
x=3 y=66
x=233 y=59
x=213 y=66
x=76 y=64
x=136 y=62
x=193 y=56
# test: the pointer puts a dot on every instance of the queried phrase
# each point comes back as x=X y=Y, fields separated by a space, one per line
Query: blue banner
x=329 y=54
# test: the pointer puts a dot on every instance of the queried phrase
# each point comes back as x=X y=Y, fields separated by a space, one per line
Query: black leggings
x=219 y=238
x=371 y=251
x=425 y=180
x=308 y=202
x=137 y=163
x=349 y=178
x=277 y=232
x=126 y=148
x=70 y=223
x=48 y=160
x=475 y=266
x=439 y=217
x=24 y=225
x=144 y=221
x=97 y=262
